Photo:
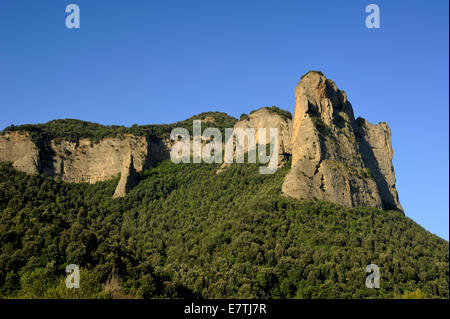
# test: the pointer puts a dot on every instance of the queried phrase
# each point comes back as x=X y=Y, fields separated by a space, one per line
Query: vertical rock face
x=17 y=147
x=376 y=149
x=128 y=178
x=335 y=157
x=84 y=161
x=81 y=161
x=265 y=118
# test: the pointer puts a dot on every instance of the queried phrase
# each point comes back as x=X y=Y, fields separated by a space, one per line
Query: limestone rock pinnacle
x=336 y=158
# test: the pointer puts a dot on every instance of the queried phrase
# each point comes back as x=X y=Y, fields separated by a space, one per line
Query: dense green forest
x=184 y=231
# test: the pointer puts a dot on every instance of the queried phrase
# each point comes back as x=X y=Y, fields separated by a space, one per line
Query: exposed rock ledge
x=335 y=157
x=82 y=161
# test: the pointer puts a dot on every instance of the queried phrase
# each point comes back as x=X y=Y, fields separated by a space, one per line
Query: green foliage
x=417 y=294
x=184 y=231
x=243 y=117
x=73 y=130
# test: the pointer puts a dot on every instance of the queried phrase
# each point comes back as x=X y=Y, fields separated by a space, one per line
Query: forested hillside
x=184 y=231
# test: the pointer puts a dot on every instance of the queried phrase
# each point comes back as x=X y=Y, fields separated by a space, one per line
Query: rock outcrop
x=265 y=118
x=84 y=160
x=17 y=147
x=128 y=178
x=336 y=158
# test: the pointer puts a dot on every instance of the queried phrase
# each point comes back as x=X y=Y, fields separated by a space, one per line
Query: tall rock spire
x=335 y=157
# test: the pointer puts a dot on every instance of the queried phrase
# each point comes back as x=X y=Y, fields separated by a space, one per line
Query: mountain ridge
x=140 y=226
x=336 y=157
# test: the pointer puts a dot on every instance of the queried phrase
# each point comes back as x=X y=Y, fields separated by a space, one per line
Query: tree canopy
x=184 y=231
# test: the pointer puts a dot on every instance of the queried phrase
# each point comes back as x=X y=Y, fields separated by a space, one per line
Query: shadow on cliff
x=46 y=157
x=157 y=151
x=370 y=161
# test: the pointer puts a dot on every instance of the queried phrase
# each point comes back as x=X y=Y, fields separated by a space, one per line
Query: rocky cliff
x=17 y=147
x=83 y=160
x=335 y=157
x=128 y=178
x=268 y=118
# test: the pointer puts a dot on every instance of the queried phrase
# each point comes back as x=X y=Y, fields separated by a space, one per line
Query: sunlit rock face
x=335 y=157
x=83 y=160
x=17 y=147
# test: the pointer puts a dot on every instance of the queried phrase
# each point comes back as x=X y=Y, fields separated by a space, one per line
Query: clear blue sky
x=163 y=61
